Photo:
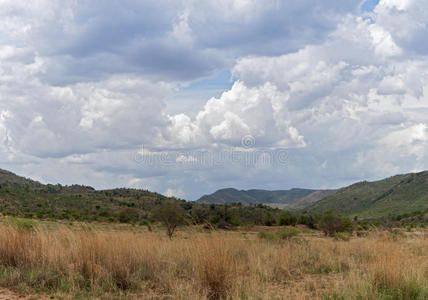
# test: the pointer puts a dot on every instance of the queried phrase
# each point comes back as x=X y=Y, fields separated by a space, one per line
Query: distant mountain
x=24 y=197
x=290 y=199
x=304 y=202
x=395 y=195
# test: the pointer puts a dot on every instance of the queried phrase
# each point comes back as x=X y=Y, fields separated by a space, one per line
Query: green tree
x=128 y=215
x=171 y=215
x=331 y=224
x=287 y=218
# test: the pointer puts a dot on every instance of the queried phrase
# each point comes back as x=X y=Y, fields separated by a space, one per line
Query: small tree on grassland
x=287 y=218
x=171 y=215
x=331 y=224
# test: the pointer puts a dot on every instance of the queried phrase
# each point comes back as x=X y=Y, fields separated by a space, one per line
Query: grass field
x=82 y=261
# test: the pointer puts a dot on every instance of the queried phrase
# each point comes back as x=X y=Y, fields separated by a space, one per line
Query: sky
x=184 y=97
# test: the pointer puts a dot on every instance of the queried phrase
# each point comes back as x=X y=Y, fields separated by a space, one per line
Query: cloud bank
x=85 y=85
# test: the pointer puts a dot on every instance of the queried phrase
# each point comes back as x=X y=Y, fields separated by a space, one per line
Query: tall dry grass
x=221 y=265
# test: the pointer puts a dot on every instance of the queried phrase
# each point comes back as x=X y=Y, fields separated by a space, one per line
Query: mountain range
x=396 y=195
x=284 y=199
x=400 y=194
x=24 y=197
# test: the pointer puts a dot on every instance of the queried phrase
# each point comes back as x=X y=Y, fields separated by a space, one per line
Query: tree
x=200 y=213
x=171 y=215
x=331 y=224
x=128 y=215
x=287 y=218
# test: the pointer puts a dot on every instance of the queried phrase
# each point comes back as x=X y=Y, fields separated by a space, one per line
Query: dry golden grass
x=109 y=264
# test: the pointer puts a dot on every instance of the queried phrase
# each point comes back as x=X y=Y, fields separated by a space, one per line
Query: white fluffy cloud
x=46 y=121
x=357 y=102
x=393 y=14
x=242 y=111
x=84 y=84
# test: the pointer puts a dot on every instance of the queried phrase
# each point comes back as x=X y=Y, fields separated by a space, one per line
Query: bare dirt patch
x=10 y=295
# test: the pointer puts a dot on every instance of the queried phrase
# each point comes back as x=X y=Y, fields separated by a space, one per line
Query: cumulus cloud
x=46 y=121
x=276 y=97
x=84 y=84
x=174 y=40
x=240 y=112
x=392 y=14
x=357 y=103
x=265 y=27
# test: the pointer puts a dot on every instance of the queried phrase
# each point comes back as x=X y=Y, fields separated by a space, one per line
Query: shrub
x=342 y=236
x=331 y=224
x=214 y=219
x=269 y=220
x=222 y=224
x=266 y=235
x=128 y=215
x=307 y=220
x=282 y=234
x=287 y=233
x=396 y=234
x=287 y=218
x=200 y=214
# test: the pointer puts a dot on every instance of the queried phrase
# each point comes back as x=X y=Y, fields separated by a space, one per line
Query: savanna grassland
x=81 y=261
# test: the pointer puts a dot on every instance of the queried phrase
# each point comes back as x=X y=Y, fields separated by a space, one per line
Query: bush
x=397 y=234
x=342 y=236
x=287 y=233
x=287 y=218
x=266 y=235
x=331 y=224
x=128 y=215
x=269 y=220
x=282 y=234
x=307 y=220
x=222 y=224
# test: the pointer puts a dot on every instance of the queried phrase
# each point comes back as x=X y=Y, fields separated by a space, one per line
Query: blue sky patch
x=369 y=5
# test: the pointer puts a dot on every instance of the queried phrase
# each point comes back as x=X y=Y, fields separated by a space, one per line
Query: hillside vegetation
x=289 y=199
x=397 y=195
x=27 y=198
x=303 y=202
x=7 y=177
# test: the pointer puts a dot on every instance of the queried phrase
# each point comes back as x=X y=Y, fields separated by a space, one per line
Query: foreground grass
x=82 y=262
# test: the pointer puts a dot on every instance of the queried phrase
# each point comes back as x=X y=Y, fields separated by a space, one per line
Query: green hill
x=286 y=199
x=396 y=195
x=24 y=197
x=305 y=201
x=7 y=177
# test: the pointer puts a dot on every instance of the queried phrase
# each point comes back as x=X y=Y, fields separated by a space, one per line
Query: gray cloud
x=172 y=40
x=84 y=84
x=393 y=14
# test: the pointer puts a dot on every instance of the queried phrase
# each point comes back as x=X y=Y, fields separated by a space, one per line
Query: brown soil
x=10 y=295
